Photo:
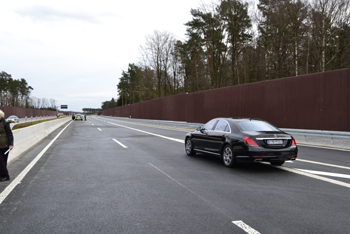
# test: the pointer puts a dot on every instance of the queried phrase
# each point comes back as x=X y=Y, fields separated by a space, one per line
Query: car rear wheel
x=278 y=163
x=228 y=156
x=189 y=147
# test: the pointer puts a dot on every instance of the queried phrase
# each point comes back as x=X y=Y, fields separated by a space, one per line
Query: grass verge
x=31 y=123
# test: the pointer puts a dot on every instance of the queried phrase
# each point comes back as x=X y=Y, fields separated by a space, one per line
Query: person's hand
x=11 y=147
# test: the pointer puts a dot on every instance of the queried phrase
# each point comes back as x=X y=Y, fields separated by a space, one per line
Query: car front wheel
x=228 y=156
x=189 y=147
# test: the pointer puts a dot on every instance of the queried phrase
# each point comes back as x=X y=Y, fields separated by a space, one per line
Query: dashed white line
x=240 y=223
x=99 y=129
x=165 y=137
x=120 y=144
x=280 y=167
x=245 y=227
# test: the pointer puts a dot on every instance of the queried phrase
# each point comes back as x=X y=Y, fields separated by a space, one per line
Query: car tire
x=228 y=157
x=189 y=147
x=277 y=163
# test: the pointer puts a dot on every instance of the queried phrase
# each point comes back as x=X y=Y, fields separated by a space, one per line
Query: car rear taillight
x=293 y=142
x=249 y=141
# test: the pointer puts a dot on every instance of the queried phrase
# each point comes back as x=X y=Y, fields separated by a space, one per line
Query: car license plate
x=274 y=142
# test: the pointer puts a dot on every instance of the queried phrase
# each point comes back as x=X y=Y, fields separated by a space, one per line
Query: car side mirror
x=203 y=130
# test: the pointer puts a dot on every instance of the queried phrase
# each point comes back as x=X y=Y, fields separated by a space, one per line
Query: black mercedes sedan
x=242 y=140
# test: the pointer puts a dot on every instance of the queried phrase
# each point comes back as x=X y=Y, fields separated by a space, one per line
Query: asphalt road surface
x=108 y=176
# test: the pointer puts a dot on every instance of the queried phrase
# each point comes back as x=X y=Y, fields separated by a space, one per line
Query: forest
x=233 y=42
x=16 y=93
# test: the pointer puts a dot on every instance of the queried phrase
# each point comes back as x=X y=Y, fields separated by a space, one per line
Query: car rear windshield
x=257 y=126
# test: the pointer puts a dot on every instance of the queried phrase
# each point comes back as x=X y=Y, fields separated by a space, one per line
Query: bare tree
x=156 y=53
x=297 y=14
x=44 y=103
x=53 y=103
x=326 y=15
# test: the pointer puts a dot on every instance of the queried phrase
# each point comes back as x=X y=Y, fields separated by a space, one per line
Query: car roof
x=239 y=119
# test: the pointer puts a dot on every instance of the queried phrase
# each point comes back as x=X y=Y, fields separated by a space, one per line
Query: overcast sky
x=74 y=51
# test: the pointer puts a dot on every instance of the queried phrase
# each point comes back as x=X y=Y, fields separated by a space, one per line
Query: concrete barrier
x=26 y=138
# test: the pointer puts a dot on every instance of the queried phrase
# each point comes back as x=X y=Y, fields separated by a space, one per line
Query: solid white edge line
x=314 y=176
x=323 y=147
x=283 y=168
x=19 y=178
x=120 y=143
x=325 y=173
x=245 y=227
x=324 y=164
x=165 y=137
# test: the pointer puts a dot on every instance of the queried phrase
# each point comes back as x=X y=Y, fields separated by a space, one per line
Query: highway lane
x=87 y=182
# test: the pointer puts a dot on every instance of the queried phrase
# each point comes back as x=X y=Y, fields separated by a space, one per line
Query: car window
x=221 y=125
x=210 y=124
x=256 y=126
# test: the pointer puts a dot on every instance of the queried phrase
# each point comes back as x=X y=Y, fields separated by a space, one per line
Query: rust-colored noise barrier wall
x=319 y=101
x=23 y=112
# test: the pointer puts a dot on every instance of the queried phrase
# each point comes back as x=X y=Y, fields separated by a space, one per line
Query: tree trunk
x=296 y=56
x=323 y=44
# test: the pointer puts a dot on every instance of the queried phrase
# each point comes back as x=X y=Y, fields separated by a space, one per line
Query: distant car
x=238 y=140
x=12 y=119
x=78 y=117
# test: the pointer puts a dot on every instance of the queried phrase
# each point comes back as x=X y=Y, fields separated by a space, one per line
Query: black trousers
x=3 y=163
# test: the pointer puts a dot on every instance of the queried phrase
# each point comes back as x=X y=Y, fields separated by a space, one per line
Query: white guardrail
x=315 y=137
x=26 y=138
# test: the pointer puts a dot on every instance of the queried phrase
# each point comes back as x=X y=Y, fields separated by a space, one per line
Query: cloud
x=45 y=14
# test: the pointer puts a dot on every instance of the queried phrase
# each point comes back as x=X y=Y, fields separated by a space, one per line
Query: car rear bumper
x=267 y=155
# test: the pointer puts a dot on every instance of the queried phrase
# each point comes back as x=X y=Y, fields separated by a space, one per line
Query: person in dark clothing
x=6 y=144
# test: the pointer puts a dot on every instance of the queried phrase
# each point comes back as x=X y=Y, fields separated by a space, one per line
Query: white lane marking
x=93 y=124
x=18 y=179
x=325 y=173
x=325 y=164
x=314 y=176
x=165 y=137
x=99 y=129
x=283 y=168
x=120 y=143
x=301 y=144
x=240 y=224
x=323 y=147
x=245 y=227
